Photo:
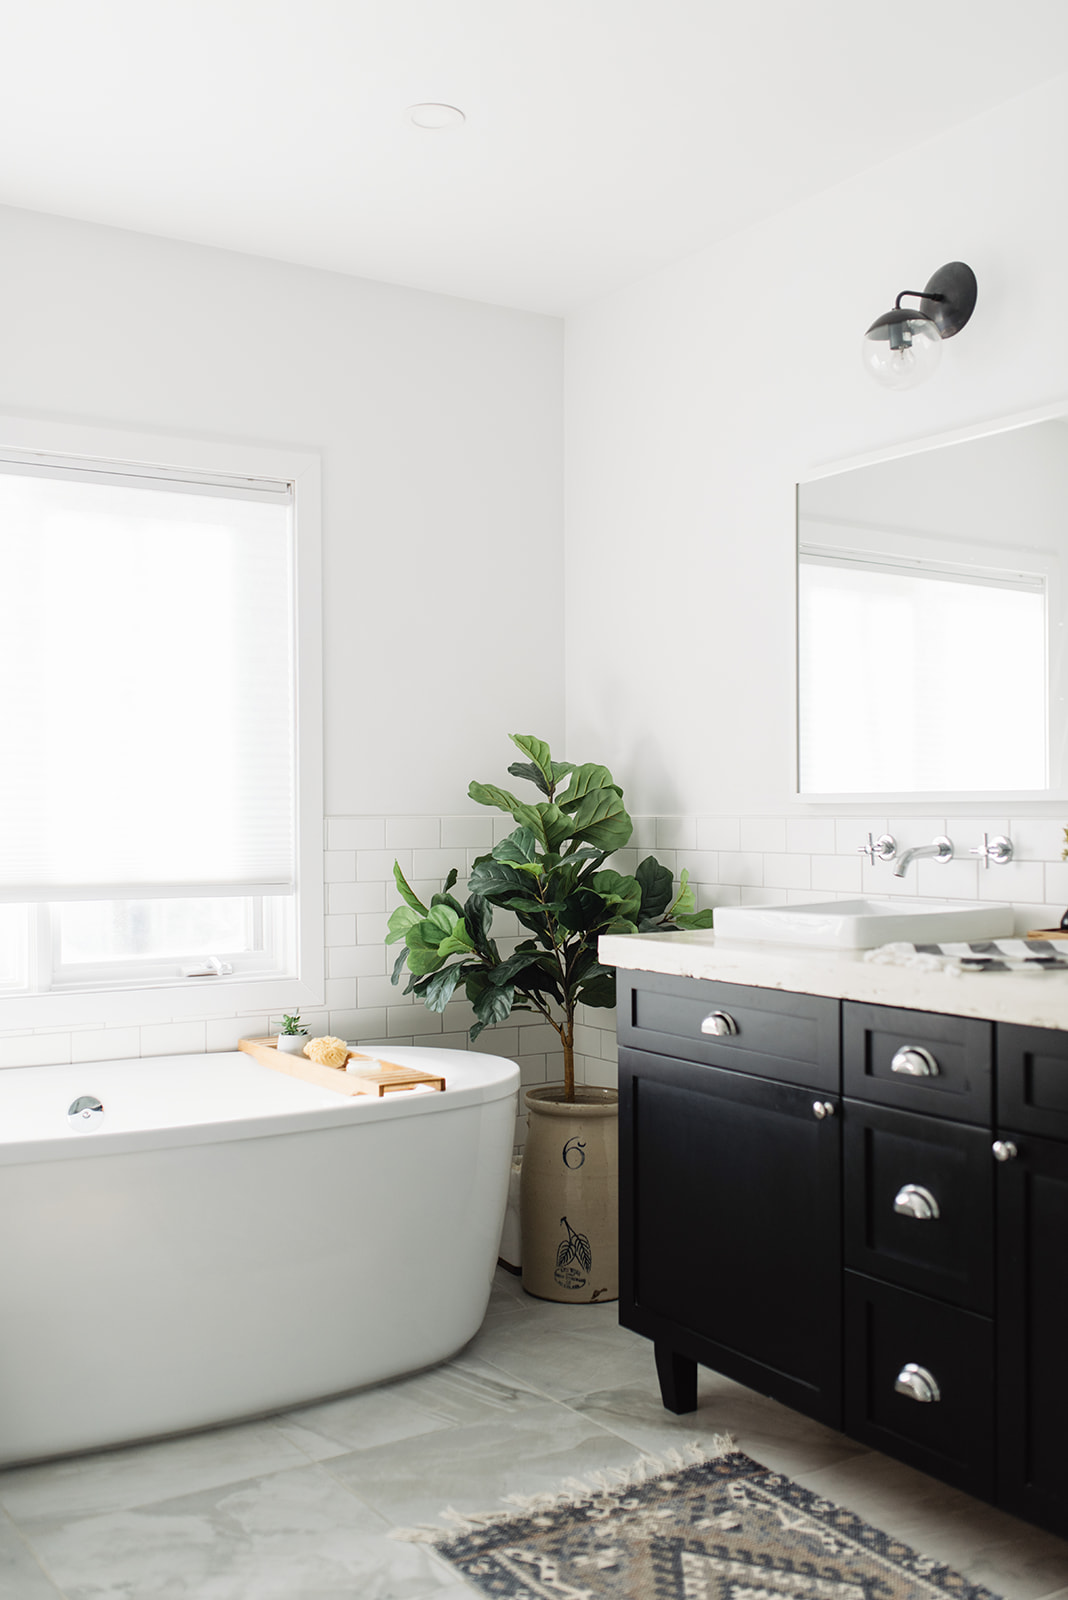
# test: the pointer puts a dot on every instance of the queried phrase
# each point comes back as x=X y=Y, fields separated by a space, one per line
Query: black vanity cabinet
x=730 y=1170
x=859 y=1210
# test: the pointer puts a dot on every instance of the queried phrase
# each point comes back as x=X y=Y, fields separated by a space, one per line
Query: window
x=159 y=709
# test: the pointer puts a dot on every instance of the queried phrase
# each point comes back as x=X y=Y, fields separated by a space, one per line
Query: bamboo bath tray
x=386 y=1078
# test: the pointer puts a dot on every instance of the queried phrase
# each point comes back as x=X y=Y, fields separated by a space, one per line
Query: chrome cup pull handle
x=913 y=1061
x=721 y=1024
x=918 y=1384
x=913 y=1200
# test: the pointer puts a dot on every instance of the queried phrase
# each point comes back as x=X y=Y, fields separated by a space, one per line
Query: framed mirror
x=931 y=619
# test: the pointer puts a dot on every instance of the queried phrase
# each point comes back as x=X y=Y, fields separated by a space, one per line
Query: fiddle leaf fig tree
x=550 y=871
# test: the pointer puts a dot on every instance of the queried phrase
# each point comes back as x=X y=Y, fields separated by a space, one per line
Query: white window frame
x=195 y=999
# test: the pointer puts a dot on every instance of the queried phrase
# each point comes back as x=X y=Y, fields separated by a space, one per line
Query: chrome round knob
x=1004 y=1150
x=913 y=1061
x=720 y=1023
x=822 y=1108
x=918 y=1384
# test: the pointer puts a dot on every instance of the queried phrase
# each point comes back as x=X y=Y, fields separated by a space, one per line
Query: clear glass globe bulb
x=901 y=354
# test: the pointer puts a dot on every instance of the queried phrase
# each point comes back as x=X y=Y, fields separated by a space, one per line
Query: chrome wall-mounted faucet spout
x=940 y=850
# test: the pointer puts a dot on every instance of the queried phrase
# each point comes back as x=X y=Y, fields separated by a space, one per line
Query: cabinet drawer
x=889 y=1334
x=918 y=1060
x=1033 y=1080
x=789 y=1037
x=919 y=1203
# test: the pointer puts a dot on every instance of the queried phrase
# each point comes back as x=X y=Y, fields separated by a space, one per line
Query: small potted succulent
x=550 y=872
x=292 y=1036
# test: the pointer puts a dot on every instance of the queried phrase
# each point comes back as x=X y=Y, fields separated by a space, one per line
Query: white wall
x=697 y=398
x=439 y=425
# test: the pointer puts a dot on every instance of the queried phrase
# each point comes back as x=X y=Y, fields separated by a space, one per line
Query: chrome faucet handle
x=884 y=847
x=998 y=850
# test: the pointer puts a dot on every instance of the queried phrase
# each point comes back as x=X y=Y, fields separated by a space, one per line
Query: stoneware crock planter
x=569 y=1195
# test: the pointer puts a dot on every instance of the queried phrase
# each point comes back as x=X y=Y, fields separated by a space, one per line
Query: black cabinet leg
x=678 y=1379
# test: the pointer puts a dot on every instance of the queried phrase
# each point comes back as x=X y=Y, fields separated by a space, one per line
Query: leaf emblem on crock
x=575 y=1247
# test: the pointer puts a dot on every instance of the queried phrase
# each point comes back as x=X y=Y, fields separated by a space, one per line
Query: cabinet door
x=1032 y=1210
x=730 y=1246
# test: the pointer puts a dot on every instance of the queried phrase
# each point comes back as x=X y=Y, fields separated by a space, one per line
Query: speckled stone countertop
x=1036 y=999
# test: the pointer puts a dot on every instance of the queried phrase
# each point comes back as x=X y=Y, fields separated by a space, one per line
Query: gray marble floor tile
x=563 y=1364
x=21 y=1577
x=472 y=1468
x=295 y=1535
x=467 y=1389
x=772 y=1434
x=298 y=1507
x=569 y=1318
x=506 y=1292
x=1008 y=1556
x=114 y=1479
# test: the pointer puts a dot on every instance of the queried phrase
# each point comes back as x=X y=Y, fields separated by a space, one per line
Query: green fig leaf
x=407 y=893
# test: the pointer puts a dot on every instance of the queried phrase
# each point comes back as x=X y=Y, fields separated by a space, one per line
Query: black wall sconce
x=903 y=346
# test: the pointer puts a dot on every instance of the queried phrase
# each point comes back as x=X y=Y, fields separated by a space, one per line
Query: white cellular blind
x=920 y=679
x=146 y=685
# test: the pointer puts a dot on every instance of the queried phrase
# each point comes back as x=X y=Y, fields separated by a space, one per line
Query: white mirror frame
x=927 y=798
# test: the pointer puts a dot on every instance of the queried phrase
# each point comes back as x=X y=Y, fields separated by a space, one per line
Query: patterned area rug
x=723 y=1529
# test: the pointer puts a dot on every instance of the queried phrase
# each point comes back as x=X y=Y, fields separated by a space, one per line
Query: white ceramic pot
x=569 y=1195
x=292 y=1044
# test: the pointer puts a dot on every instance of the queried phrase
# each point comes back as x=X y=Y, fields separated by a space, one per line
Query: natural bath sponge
x=327 y=1051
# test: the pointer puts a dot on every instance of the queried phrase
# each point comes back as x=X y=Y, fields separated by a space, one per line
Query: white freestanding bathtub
x=225 y=1241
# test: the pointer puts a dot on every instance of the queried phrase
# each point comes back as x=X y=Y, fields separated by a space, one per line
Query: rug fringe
x=573 y=1492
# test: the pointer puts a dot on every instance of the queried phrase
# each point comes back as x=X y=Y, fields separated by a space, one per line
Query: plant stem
x=568 y=1039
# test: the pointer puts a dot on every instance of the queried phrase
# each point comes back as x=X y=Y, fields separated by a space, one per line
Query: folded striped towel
x=983 y=955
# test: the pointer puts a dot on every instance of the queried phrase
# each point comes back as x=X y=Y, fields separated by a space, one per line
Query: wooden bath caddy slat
x=386 y=1078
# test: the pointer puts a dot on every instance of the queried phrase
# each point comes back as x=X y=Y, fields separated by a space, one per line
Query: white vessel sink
x=863 y=924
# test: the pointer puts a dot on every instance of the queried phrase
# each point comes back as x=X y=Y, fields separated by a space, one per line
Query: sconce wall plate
x=956 y=290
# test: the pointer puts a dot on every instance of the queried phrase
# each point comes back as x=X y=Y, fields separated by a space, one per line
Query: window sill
x=178 y=1000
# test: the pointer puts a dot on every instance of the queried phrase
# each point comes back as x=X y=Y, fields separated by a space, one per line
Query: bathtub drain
x=86 y=1112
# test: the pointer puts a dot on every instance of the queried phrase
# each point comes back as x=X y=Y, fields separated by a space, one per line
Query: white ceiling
x=603 y=137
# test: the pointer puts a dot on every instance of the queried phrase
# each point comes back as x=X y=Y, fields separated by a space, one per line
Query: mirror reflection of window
x=933 y=619
x=918 y=678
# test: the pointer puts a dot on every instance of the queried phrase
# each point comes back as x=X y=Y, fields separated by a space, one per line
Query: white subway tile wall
x=731 y=860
